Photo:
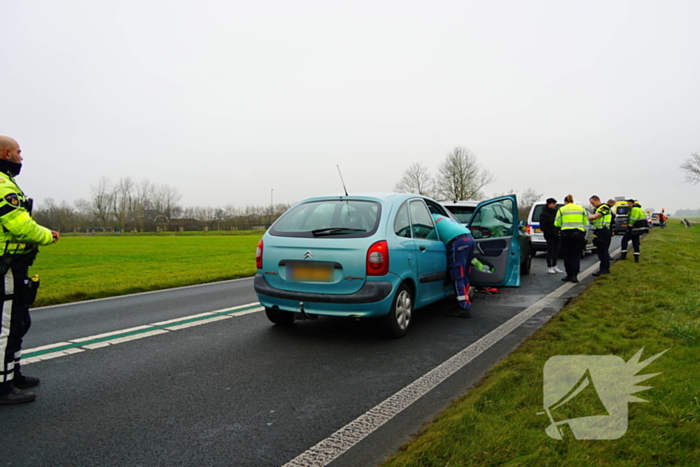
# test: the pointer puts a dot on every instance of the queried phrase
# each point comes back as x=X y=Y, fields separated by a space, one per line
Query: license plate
x=310 y=273
x=538 y=230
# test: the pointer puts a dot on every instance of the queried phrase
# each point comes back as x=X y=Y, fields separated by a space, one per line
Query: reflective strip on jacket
x=603 y=222
x=571 y=216
x=636 y=226
x=18 y=227
x=636 y=214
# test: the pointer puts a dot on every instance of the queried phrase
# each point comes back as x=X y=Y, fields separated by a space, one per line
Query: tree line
x=128 y=206
x=459 y=177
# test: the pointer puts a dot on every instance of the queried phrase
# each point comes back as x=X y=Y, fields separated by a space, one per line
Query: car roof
x=468 y=202
x=397 y=197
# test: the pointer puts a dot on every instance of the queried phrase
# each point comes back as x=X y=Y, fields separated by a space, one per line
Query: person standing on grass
x=551 y=234
x=637 y=226
x=601 y=233
x=572 y=219
x=20 y=237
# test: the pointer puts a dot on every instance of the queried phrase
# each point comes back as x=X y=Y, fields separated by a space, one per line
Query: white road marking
x=348 y=436
x=61 y=349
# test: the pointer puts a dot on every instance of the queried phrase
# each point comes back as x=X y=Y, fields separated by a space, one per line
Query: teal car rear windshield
x=329 y=218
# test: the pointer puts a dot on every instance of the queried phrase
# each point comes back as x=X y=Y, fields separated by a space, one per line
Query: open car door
x=494 y=226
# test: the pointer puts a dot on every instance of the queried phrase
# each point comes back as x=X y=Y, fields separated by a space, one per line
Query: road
x=170 y=388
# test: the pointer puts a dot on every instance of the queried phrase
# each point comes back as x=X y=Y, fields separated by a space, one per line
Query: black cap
x=551 y=200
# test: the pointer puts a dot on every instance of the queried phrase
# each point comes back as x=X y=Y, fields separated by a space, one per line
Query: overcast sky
x=231 y=102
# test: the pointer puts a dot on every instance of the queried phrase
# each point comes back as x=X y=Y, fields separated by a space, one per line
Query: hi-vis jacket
x=571 y=216
x=602 y=222
x=635 y=216
x=18 y=227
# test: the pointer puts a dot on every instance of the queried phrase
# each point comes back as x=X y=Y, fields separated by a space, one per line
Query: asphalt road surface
x=199 y=376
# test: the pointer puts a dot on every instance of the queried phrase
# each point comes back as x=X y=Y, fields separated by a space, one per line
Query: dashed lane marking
x=61 y=349
x=348 y=436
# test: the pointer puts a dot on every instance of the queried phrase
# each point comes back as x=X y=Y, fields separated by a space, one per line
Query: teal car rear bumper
x=373 y=299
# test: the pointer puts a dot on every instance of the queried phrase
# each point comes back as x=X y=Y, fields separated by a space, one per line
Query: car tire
x=399 y=317
x=277 y=316
x=526 y=265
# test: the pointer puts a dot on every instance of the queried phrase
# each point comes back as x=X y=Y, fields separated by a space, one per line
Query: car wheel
x=399 y=316
x=280 y=317
x=525 y=265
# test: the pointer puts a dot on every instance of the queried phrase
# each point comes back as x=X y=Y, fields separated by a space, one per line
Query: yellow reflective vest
x=19 y=231
x=571 y=216
x=602 y=222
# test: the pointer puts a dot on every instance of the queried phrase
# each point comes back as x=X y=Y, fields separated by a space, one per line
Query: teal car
x=374 y=256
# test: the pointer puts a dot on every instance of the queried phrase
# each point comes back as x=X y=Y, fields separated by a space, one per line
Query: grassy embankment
x=85 y=267
x=654 y=304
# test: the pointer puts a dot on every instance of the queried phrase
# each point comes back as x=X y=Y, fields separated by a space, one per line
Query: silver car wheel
x=404 y=307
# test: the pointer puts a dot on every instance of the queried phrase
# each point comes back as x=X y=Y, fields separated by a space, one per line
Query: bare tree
x=691 y=167
x=526 y=200
x=461 y=177
x=84 y=214
x=165 y=198
x=416 y=179
x=102 y=199
x=123 y=204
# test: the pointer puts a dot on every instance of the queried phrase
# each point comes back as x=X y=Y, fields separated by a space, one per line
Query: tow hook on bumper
x=302 y=314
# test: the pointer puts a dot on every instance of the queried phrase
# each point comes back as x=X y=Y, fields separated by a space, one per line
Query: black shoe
x=24 y=382
x=566 y=279
x=17 y=397
x=636 y=258
x=574 y=280
x=605 y=271
x=459 y=313
x=597 y=273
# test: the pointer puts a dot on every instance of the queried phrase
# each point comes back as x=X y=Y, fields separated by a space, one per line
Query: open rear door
x=494 y=226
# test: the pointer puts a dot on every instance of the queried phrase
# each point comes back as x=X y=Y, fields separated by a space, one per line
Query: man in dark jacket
x=551 y=234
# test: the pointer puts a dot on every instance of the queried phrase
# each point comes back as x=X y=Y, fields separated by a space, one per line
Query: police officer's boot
x=636 y=257
x=17 y=396
x=623 y=254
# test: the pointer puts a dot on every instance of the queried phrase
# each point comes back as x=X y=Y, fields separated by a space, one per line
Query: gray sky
x=228 y=100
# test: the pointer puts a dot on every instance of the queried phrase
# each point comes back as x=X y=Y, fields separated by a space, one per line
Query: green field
x=84 y=267
x=654 y=305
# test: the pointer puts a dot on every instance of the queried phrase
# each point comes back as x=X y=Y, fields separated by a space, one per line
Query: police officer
x=636 y=226
x=572 y=219
x=611 y=204
x=20 y=236
x=460 y=251
x=601 y=220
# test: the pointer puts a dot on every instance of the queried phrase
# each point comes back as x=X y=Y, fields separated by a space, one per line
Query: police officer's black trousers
x=625 y=240
x=573 y=242
x=601 y=240
x=14 y=324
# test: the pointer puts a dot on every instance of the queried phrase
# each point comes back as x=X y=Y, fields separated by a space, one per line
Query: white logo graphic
x=588 y=394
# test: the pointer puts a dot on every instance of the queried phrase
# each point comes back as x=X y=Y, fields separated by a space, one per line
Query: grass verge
x=655 y=305
x=86 y=267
